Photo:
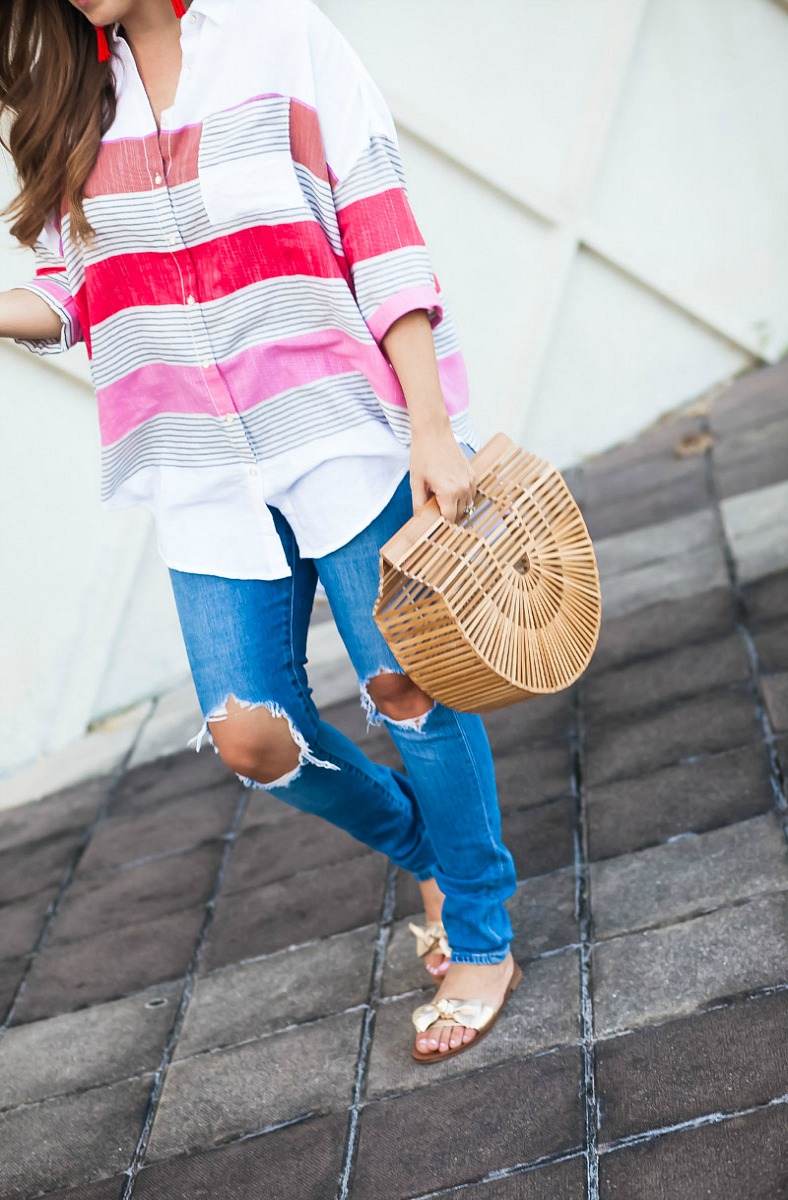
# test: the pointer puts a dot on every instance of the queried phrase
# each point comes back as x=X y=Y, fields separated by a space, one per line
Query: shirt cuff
x=61 y=302
x=402 y=302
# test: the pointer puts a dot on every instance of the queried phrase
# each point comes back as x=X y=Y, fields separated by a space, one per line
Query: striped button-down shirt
x=249 y=257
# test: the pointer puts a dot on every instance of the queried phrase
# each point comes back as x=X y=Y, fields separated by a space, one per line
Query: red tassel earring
x=180 y=8
x=103 y=45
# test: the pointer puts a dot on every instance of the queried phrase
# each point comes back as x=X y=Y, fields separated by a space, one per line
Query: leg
x=448 y=760
x=246 y=642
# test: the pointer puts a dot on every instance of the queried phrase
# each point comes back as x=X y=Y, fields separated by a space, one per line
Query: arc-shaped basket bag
x=503 y=606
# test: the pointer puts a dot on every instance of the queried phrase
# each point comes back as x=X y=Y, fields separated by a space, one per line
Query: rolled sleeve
x=387 y=258
x=51 y=284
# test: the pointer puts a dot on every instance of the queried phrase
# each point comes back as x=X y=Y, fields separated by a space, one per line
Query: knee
x=255 y=743
x=398 y=697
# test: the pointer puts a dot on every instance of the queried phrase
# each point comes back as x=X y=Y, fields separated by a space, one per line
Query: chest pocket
x=244 y=164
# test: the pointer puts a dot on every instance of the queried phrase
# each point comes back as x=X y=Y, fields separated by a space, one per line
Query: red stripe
x=378 y=224
x=50 y=270
x=306 y=140
x=222 y=266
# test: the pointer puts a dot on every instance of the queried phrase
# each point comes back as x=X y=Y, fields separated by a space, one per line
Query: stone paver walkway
x=208 y=994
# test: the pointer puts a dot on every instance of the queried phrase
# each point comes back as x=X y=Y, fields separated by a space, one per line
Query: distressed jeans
x=246 y=638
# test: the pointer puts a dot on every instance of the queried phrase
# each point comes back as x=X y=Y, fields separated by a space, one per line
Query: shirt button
x=157 y=178
x=206 y=364
x=228 y=416
x=172 y=239
x=192 y=18
x=253 y=470
x=190 y=300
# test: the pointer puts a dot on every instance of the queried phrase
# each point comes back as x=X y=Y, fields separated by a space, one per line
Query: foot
x=463 y=981
x=436 y=963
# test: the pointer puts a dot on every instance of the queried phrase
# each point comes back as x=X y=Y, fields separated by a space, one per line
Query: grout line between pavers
x=513 y=1172
x=585 y=928
x=365 y=1048
x=134 y=1167
x=715 y=1118
x=778 y=771
x=67 y=878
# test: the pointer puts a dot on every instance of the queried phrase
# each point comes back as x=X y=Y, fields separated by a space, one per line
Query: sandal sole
x=438 y=1055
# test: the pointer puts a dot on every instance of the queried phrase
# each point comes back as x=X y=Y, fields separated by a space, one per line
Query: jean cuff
x=463 y=956
x=427 y=873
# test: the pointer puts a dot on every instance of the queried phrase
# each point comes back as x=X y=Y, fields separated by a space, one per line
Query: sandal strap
x=473 y=1013
x=430 y=937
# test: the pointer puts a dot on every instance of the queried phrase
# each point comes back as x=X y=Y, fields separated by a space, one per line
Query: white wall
x=603 y=186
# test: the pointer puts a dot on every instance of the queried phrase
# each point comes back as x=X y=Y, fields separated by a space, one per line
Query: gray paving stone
x=775 y=693
x=625 y=484
x=304 y=907
x=757 y=531
x=299 y=1162
x=643 y=1080
x=266 y=852
x=755 y=398
x=42 y=865
x=540 y=839
x=751 y=458
x=668 y=561
x=542 y=911
x=173 y=777
x=21 y=923
x=174 y=825
x=657 y=628
x=677 y=675
x=83 y=1049
x=71 y=1139
x=543 y=717
x=541 y=1013
x=557 y=1181
x=108 y=1189
x=771 y=642
x=11 y=972
x=766 y=598
x=109 y=966
x=528 y=775
x=701 y=725
x=686 y=492
x=103 y=902
x=642 y=978
x=652 y=443
x=68 y=811
x=714 y=790
x=245 y=1001
x=412 y=1144
x=689 y=876
x=742 y=1157
x=214 y=1097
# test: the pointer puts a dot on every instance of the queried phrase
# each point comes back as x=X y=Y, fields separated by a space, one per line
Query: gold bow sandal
x=429 y=938
x=473 y=1013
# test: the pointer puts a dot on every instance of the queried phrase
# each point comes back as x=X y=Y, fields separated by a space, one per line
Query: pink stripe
x=400 y=303
x=258 y=374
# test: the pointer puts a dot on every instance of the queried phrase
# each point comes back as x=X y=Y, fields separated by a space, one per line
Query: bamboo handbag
x=503 y=606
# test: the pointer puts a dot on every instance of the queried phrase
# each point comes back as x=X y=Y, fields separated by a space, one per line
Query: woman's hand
x=439 y=468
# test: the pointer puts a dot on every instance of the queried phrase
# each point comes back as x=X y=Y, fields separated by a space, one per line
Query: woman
x=218 y=208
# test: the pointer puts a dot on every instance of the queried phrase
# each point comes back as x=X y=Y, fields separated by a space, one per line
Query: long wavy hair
x=56 y=102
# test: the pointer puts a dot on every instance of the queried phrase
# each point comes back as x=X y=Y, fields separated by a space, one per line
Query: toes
x=455 y=1038
x=468 y=1034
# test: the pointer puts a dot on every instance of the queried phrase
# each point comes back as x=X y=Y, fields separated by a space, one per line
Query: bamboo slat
x=502 y=606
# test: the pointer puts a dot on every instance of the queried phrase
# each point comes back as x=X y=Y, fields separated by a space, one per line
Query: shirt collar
x=215 y=10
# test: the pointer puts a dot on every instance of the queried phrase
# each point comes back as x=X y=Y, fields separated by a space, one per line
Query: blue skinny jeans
x=246 y=638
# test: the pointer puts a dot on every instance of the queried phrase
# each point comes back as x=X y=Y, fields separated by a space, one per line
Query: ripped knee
x=396 y=698
x=259 y=742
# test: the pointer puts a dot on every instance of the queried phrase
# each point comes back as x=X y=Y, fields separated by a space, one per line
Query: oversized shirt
x=248 y=260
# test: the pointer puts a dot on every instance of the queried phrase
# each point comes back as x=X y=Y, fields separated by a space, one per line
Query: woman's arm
x=438 y=466
x=23 y=314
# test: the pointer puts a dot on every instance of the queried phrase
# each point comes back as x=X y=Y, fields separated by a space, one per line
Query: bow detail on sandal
x=430 y=937
x=473 y=1013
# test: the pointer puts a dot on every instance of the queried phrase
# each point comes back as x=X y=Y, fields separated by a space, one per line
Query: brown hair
x=56 y=102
